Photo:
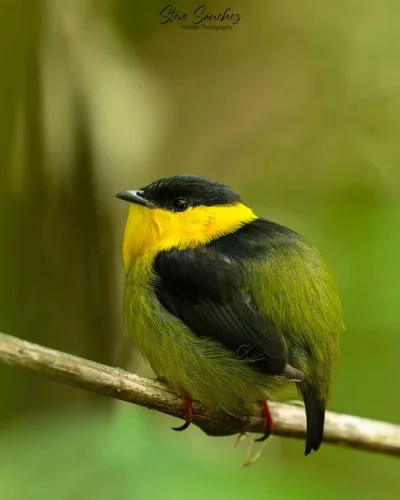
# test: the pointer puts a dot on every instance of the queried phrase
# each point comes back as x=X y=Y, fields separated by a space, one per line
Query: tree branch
x=348 y=430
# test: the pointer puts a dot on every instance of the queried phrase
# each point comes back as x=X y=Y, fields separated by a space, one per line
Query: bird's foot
x=268 y=422
x=188 y=414
x=250 y=460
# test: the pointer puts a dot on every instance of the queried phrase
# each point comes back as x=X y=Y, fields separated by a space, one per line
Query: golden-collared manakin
x=226 y=305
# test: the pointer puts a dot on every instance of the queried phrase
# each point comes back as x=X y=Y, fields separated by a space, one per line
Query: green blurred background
x=298 y=108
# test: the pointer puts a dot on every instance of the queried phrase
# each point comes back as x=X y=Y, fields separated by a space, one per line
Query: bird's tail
x=315 y=412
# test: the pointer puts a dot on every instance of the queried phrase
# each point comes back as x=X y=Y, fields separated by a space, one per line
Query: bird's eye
x=180 y=204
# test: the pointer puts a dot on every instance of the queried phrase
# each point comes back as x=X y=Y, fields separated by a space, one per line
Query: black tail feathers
x=315 y=412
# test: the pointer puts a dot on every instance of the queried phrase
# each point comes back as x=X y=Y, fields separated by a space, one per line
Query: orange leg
x=188 y=414
x=268 y=421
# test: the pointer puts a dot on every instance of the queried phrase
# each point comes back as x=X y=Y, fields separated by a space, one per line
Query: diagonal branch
x=348 y=430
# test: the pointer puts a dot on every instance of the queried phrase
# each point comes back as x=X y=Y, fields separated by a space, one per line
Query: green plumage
x=303 y=303
x=227 y=322
x=197 y=366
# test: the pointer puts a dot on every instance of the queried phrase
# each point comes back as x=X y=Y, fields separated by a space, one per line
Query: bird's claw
x=182 y=427
x=251 y=460
x=268 y=421
x=264 y=437
x=240 y=437
x=269 y=424
x=188 y=414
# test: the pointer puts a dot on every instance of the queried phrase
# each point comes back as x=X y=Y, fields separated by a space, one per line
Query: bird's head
x=182 y=211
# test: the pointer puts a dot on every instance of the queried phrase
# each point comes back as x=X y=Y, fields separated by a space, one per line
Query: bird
x=225 y=305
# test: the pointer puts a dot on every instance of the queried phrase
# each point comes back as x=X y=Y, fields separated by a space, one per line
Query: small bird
x=226 y=305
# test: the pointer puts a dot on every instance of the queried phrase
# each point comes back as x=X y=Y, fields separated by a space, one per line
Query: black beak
x=134 y=196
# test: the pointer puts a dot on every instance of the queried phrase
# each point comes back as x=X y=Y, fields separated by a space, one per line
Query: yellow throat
x=151 y=230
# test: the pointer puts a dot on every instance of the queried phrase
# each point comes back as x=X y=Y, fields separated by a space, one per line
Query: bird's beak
x=134 y=196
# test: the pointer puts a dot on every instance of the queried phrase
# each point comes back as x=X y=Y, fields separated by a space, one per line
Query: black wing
x=204 y=288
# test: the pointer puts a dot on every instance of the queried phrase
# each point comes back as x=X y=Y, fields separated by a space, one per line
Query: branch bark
x=348 y=430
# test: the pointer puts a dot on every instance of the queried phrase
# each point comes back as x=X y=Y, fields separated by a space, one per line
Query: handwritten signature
x=171 y=15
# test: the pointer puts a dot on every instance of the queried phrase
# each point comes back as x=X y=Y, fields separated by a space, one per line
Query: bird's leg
x=249 y=460
x=188 y=414
x=268 y=421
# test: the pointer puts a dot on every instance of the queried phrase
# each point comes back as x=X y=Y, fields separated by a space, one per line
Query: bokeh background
x=298 y=108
